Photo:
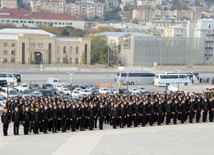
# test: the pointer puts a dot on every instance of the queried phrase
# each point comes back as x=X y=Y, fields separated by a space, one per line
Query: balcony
x=208 y=55
x=208 y=47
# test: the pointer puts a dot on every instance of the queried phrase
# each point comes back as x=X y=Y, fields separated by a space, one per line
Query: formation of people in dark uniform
x=58 y=114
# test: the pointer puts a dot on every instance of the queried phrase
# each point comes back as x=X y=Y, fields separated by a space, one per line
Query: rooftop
x=25 y=31
x=8 y=37
x=25 y=14
x=68 y=39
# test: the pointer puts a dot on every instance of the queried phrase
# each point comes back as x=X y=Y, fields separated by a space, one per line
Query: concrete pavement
x=178 y=139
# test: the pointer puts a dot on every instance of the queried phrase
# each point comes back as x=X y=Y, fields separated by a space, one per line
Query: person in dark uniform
x=129 y=114
x=50 y=122
x=54 y=116
x=205 y=107
x=45 y=119
x=175 y=108
x=26 y=120
x=5 y=119
x=64 y=118
x=91 y=117
x=101 y=115
x=73 y=117
x=16 y=121
x=159 y=112
x=136 y=114
x=114 y=115
x=122 y=115
x=168 y=111
x=144 y=113
x=82 y=117
x=198 y=109
x=183 y=111
x=152 y=112
x=191 y=109
x=211 y=109
x=36 y=121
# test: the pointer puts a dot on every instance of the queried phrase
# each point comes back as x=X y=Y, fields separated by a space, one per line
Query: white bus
x=172 y=79
x=193 y=76
x=8 y=92
x=132 y=78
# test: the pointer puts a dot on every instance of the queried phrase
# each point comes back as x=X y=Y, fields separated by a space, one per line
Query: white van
x=8 y=92
x=11 y=80
x=55 y=82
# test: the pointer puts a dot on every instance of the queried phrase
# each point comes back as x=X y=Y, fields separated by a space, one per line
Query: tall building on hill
x=8 y=4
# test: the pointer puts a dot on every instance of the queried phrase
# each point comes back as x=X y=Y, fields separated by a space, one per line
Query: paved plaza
x=190 y=139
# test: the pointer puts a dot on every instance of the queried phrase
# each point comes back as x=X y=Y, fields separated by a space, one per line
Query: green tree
x=99 y=50
x=65 y=32
x=112 y=15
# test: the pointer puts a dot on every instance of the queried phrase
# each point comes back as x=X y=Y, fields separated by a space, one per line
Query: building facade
x=21 y=18
x=204 y=28
x=50 y=6
x=8 y=4
x=150 y=50
x=31 y=46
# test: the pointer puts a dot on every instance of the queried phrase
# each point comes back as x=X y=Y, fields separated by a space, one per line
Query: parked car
x=47 y=86
x=46 y=92
x=124 y=91
x=76 y=94
x=18 y=77
x=134 y=91
x=114 y=91
x=55 y=82
x=11 y=80
x=3 y=83
x=104 y=90
x=37 y=94
x=142 y=90
x=34 y=86
x=25 y=93
x=2 y=101
x=66 y=91
x=85 y=92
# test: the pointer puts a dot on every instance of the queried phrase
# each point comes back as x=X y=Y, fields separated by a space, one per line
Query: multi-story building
x=31 y=46
x=204 y=28
x=20 y=18
x=91 y=9
x=112 y=3
x=175 y=31
x=8 y=4
x=49 y=6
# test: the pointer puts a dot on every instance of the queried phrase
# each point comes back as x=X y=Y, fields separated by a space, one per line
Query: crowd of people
x=58 y=114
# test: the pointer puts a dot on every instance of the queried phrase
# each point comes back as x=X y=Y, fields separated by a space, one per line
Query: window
x=70 y=60
x=77 y=61
x=32 y=45
x=5 y=52
x=5 y=44
x=40 y=45
x=5 y=61
x=58 y=49
x=70 y=50
x=3 y=75
x=77 y=50
x=64 y=49
x=12 y=52
x=13 y=45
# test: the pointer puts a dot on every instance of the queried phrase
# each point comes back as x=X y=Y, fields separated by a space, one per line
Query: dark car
x=47 y=86
x=18 y=77
x=124 y=91
x=3 y=83
x=34 y=86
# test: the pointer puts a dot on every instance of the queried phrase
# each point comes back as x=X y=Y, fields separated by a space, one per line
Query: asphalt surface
x=177 y=139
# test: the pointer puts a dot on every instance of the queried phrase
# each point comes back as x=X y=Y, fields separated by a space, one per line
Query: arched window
x=5 y=61
x=209 y=26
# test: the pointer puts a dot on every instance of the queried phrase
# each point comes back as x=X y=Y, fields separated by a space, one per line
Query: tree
x=135 y=21
x=65 y=32
x=99 y=50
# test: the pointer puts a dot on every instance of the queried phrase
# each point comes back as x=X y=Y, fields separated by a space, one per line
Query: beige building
x=175 y=31
x=8 y=4
x=85 y=9
x=142 y=15
x=50 y=6
x=31 y=46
